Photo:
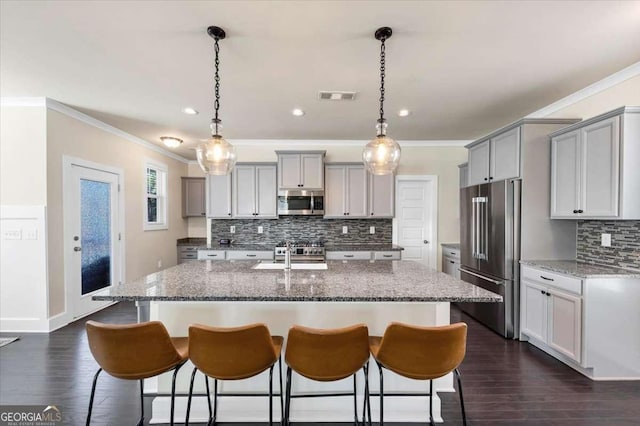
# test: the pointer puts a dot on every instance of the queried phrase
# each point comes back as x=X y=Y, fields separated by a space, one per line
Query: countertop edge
x=544 y=264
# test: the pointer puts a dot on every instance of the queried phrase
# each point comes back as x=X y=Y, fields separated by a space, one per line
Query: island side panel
x=280 y=316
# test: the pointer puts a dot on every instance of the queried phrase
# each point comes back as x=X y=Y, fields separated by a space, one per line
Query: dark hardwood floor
x=504 y=382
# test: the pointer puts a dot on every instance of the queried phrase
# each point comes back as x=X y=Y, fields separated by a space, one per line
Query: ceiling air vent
x=336 y=96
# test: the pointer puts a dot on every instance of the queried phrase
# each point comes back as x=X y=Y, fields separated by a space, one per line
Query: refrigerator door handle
x=479 y=228
x=491 y=280
x=474 y=252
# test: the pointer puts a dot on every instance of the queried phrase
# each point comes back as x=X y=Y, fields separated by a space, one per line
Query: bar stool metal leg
x=173 y=392
x=464 y=415
x=381 y=395
x=271 y=396
x=355 y=401
x=287 y=401
x=431 y=422
x=367 y=402
x=281 y=391
x=93 y=392
x=193 y=375
x=141 y=421
x=206 y=382
x=215 y=401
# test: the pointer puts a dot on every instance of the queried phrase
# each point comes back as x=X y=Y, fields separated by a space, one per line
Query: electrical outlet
x=260 y=229
x=372 y=229
x=11 y=234
x=159 y=263
x=606 y=240
x=232 y=229
x=31 y=234
x=345 y=229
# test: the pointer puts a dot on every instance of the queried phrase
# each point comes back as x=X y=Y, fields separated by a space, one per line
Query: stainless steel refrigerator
x=490 y=251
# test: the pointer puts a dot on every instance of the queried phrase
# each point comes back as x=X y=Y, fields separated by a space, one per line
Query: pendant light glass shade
x=216 y=156
x=381 y=156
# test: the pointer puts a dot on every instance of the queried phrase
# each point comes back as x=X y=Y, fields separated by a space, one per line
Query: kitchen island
x=234 y=293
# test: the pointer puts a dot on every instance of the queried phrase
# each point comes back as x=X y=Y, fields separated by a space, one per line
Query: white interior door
x=92 y=229
x=416 y=222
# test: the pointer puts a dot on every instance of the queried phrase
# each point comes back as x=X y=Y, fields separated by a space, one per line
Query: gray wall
x=625 y=242
x=308 y=228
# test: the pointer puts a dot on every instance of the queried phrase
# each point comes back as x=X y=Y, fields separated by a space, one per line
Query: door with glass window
x=93 y=223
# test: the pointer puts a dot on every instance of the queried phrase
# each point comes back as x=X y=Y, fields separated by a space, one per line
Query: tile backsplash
x=625 y=243
x=308 y=228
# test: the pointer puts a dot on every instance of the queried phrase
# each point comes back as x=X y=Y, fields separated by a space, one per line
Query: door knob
x=426 y=241
x=77 y=249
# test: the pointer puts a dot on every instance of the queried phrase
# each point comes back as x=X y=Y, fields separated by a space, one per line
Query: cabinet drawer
x=249 y=255
x=187 y=249
x=187 y=255
x=211 y=254
x=552 y=279
x=386 y=255
x=449 y=252
x=348 y=255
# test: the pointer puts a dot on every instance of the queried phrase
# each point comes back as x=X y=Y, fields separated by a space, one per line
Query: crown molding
x=597 y=87
x=80 y=116
x=337 y=142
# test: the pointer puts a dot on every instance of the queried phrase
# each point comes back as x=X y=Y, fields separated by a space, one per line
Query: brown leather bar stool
x=327 y=355
x=421 y=353
x=233 y=354
x=135 y=352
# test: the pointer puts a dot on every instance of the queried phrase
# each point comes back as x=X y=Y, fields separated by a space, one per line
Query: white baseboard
x=23 y=325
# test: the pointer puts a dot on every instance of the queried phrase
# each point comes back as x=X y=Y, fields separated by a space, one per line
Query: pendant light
x=216 y=156
x=382 y=155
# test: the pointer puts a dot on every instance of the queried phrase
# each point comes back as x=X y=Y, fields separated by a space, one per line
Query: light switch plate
x=232 y=229
x=260 y=229
x=11 y=234
x=372 y=229
x=31 y=234
x=606 y=240
x=345 y=229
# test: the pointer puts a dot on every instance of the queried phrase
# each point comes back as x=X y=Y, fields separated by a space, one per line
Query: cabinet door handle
x=486 y=179
x=451 y=261
x=545 y=278
x=543 y=292
x=229 y=214
x=575 y=211
x=348 y=255
x=548 y=294
x=580 y=211
x=390 y=255
x=212 y=255
x=251 y=255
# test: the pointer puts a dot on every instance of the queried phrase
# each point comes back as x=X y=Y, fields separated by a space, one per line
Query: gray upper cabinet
x=193 y=197
x=495 y=159
x=301 y=170
x=255 y=191
x=218 y=196
x=346 y=191
x=594 y=168
x=381 y=195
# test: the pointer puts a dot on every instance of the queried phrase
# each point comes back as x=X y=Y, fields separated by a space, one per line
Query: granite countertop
x=362 y=247
x=581 y=269
x=191 y=241
x=388 y=281
x=455 y=246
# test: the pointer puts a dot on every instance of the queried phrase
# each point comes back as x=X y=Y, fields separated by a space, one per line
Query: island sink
x=313 y=266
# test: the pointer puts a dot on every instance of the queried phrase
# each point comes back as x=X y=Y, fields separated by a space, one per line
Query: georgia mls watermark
x=30 y=415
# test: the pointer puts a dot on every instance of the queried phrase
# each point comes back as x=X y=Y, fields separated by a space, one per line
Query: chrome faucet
x=287 y=256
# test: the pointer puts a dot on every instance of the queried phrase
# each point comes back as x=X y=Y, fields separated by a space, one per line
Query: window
x=155 y=196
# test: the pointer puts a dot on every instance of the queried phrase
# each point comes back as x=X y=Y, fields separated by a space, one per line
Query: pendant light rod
x=382 y=34
x=217 y=34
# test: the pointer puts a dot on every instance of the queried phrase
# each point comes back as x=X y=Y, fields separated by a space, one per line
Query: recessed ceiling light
x=189 y=111
x=170 y=141
x=297 y=112
x=404 y=112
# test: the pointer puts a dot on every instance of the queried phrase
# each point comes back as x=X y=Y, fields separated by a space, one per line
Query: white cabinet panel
x=451 y=266
x=211 y=255
x=348 y=255
x=193 y=197
x=382 y=195
x=356 y=192
x=505 y=156
x=266 y=194
x=244 y=190
x=218 y=196
x=335 y=191
x=534 y=311
x=463 y=175
x=479 y=163
x=565 y=323
x=312 y=171
x=565 y=175
x=289 y=171
x=249 y=255
x=387 y=255
x=600 y=143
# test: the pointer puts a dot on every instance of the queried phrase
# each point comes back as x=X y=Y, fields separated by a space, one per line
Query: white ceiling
x=462 y=68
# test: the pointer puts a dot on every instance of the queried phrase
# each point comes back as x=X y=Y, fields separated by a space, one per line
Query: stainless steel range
x=301 y=251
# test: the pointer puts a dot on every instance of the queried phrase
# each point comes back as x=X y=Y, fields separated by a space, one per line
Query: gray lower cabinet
x=451 y=261
x=387 y=255
x=187 y=253
x=219 y=197
x=249 y=255
x=348 y=255
x=255 y=191
x=594 y=168
x=211 y=255
x=193 y=197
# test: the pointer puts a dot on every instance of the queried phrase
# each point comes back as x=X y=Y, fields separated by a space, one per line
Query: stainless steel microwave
x=300 y=202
